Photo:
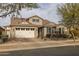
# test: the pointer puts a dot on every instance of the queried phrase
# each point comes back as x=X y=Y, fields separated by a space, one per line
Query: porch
x=44 y=32
x=51 y=32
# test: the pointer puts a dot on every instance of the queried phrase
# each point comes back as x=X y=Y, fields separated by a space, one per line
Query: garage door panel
x=24 y=34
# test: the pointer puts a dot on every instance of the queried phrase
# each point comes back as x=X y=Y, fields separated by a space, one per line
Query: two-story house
x=32 y=27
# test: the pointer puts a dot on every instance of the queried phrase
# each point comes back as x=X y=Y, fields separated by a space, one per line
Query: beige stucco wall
x=36 y=32
x=7 y=30
x=12 y=33
x=36 y=23
x=45 y=31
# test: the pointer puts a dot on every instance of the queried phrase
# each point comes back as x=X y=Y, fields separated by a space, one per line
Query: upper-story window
x=35 y=20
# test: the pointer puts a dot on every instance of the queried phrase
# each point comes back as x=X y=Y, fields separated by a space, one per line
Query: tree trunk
x=73 y=36
x=73 y=39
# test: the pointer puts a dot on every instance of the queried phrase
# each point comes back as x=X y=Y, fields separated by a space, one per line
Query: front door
x=40 y=32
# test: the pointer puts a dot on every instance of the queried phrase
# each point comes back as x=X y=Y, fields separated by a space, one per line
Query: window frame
x=18 y=28
x=35 y=20
x=22 y=28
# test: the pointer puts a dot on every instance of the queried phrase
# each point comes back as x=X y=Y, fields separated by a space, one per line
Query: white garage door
x=24 y=33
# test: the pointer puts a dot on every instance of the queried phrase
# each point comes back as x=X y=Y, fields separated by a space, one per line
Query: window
x=17 y=28
x=60 y=30
x=48 y=30
x=35 y=20
x=27 y=29
x=53 y=30
x=32 y=28
x=22 y=28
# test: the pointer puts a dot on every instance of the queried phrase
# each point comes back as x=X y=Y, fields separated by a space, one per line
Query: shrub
x=76 y=32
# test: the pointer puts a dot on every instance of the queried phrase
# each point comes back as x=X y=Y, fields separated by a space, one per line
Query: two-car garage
x=24 y=32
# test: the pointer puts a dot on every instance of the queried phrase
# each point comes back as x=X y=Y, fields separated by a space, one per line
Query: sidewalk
x=36 y=44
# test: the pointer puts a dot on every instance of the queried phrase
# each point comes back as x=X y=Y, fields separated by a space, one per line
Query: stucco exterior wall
x=7 y=30
x=45 y=31
x=36 y=32
x=65 y=29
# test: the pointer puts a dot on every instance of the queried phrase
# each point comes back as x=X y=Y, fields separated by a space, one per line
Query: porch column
x=51 y=34
x=42 y=32
x=45 y=31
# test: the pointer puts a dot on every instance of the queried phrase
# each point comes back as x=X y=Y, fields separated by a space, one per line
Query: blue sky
x=47 y=11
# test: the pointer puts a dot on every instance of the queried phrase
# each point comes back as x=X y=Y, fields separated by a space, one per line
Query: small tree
x=70 y=16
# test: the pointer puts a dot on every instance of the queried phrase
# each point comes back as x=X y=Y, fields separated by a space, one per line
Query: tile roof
x=18 y=22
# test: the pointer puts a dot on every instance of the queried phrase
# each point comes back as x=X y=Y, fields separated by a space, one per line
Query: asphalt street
x=52 y=51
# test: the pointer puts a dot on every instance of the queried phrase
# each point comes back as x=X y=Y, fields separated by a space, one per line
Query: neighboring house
x=62 y=29
x=32 y=27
